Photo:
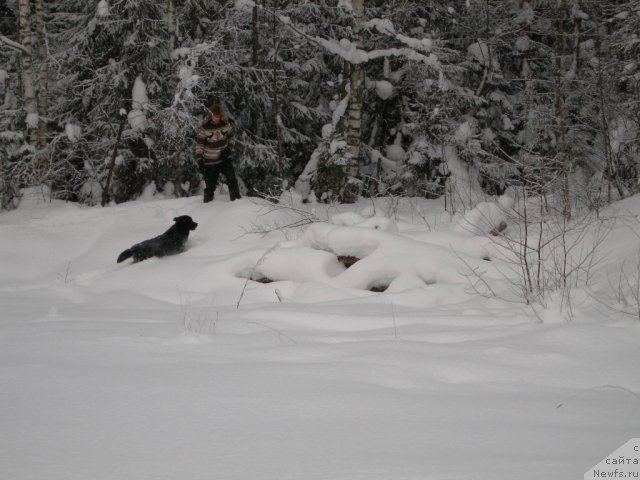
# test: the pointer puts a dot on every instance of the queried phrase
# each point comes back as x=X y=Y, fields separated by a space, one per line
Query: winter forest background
x=335 y=98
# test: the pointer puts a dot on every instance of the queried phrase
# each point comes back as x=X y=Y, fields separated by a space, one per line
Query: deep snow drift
x=390 y=368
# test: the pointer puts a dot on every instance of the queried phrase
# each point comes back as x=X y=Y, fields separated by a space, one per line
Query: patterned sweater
x=211 y=140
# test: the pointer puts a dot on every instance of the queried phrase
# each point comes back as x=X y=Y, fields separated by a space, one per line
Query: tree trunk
x=106 y=196
x=177 y=165
x=171 y=27
x=564 y=161
x=255 y=51
x=178 y=155
x=255 y=31
x=43 y=77
x=611 y=171
x=26 y=67
x=354 y=121
x=276 y=98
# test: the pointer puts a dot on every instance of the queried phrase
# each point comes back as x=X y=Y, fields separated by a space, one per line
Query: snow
x=384 y=26
x=184 y=367
x=523 y=43
x=486 y=216
x=73 y=132
x=139 y=101
x=244 y=4
x=424 y=44
x=348 y=50
x=339 y=110
x=464 y=132
x=102 y=10
x=481 y=52
x=346 y=4
x=9 y=136
x=384 y=89
x=395 y=153
x=32 y=120
x=623 y=132
x=464 y=179
x=139 y=97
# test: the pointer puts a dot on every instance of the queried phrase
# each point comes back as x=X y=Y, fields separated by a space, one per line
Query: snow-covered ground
x=181 y=368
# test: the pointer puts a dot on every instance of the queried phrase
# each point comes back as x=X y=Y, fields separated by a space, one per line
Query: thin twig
x=253 y=271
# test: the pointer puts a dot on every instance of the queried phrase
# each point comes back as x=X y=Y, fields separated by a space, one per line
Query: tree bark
x=255 y=51
x=255 y=31
x=26 y=66
x=43 y=77
x=106 y=196
x=171 y=27
x=276 y=97
x=354 y=120
x=564 y=160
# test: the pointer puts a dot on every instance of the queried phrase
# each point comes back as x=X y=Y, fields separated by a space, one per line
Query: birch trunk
x=43 y=77
x=354 y=118
x=356 y=82
x=26 y=66
x=172 y=42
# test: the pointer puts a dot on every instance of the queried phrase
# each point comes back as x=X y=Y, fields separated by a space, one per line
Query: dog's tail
x=128 y=253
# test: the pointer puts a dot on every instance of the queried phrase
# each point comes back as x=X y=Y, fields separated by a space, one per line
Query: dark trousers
x=211 y=174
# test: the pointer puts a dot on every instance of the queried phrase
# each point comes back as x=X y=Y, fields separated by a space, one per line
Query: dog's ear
x=175 y=219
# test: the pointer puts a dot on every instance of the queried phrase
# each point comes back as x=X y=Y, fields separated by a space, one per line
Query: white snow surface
x=139 y=101
x=73 y=132
x=384 y=89
x=139 y=97
x=181 y=367
x=32 y=120
x=102 y=10
x=481 y=52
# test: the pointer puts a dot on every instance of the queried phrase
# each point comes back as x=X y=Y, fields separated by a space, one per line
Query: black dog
x=170 y=242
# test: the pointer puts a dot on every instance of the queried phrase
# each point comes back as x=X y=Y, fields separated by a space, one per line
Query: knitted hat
x=216 y=109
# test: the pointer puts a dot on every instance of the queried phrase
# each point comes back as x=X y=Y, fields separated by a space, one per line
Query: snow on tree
x=414 y=97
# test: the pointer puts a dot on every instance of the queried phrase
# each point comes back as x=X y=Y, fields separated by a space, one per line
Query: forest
x=333 y=99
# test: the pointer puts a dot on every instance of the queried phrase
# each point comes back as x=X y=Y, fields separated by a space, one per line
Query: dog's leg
x=142 y=253
x=124 y=255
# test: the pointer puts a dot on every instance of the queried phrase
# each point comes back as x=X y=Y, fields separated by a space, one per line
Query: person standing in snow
x=213 y=145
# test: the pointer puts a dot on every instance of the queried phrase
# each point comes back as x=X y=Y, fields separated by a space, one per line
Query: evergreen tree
x=416 y=97
x=118 y=61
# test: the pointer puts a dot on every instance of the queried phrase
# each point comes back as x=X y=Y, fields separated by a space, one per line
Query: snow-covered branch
x=348 y=50
x=11 y=44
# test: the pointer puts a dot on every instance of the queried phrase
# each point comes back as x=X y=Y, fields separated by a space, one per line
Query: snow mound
x=487 y=217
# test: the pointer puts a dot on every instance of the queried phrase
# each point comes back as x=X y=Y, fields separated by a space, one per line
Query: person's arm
x=200 y=141
x=229 y=136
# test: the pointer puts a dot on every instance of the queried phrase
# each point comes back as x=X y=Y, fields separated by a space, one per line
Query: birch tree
x=26 y=69
x=43 y=75
x=354 y=121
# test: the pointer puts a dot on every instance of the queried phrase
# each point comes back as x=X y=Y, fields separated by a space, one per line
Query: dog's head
x=186 y=222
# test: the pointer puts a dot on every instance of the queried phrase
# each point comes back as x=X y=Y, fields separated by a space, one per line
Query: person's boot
x=207 y=197
x=234 y=191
